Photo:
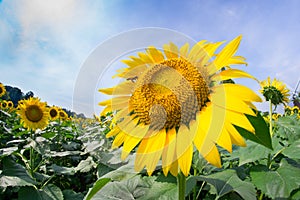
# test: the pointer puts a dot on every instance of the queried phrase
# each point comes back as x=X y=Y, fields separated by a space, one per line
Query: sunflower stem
x=181 y=181
x=270 y=116
x=31 y=156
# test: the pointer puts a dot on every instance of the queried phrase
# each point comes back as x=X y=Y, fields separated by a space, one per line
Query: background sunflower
x=34 y=114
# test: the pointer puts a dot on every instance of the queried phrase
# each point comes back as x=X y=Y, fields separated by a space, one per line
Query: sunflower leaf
x=227 y=181
x=280 y=183
x=261 y=136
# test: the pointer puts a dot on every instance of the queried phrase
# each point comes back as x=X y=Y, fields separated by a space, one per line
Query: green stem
x=181 y=181
x=203 y=183
x=31 y=159
x=194 y=190
x=270 y=114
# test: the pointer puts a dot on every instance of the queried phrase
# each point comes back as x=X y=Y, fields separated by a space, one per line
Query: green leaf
x=48 y=135
x=86 y=165
x=71 y=195
x=11 y=168
x=97 y=187
x=227 y=181
x=29 y=193
x=62 y=170
x=288 y=128
x=52 y=192
x=140 y=188
x=276 y=184
x=293 y=150
x=296 y=195
x=13 y=181
x=8 y=151
x=261 y=136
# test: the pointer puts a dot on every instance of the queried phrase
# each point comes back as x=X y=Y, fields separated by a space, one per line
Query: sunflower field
x=157 y=139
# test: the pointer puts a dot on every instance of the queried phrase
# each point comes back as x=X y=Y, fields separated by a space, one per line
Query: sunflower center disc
x=169 y=94
x=53 y=113
x=34 y=113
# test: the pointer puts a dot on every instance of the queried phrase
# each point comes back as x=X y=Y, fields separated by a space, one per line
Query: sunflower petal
x=155 y=54
x=185 y=160
x=213 y=157
x=121 y=89
x=232 y=73
x=168 y=155
x=184 y=50
x=226 y=53
x=149 y=151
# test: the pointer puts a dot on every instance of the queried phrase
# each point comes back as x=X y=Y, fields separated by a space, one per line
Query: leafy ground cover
x=72 y=159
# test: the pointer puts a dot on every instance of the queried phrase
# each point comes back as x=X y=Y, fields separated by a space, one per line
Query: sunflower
x=4 y=105
x=275 y=91
x=34 y=114
x=2 y=90
x=10 y=104
x=53 y=112
x=62 y=114
x=174 y=99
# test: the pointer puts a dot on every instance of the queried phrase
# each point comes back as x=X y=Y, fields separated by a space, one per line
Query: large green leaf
x=52 y=192
x=49 y=192
x=11 y=168
x=276 y=184
x=288 y=127
x=97 y=187
x=227 y=181
x=293 y=151
x=140 y=188
x=261 y=136
x=13 y=181
x=71 y=195
x=29 y=193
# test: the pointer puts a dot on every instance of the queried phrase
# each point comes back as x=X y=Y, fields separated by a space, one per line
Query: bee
x=132 y=79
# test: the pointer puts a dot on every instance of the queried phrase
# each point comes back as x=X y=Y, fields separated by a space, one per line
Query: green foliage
x=73 y=160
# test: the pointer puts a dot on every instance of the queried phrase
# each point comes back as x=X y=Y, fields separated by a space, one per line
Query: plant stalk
x=181 y=181
x=270 y=114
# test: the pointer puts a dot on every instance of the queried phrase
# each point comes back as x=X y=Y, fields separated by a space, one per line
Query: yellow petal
x=232 y=73
x=121 y=89
x=225 y=140
x=235 y=136
x=213 y=157
x=168 y=52
x=185 y=160
x=211 y=121
x=227 y=53
x=149 y=151
x=174 y=168
x=242 y=92
x=118 y=141
x=155 y=54
x=230 y=103
x=106 y=110
x=184 y=50
x=168 y=155
x=133 y=139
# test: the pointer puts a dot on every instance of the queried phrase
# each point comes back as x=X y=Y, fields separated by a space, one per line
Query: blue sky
x=44 y=45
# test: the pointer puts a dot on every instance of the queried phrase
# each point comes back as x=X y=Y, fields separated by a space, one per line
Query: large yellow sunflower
x=34 y=114
x=275 y=90
x=173 y=99
x=2 y=90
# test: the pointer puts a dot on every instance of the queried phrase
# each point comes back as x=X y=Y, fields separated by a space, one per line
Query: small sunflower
x=174 y=99
x=10 y=104
x=54 y=113
x=62 y=114
x=4 y=105
x=295 y=109
x=275 y=91
x=34 y=114
x=2 y=90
